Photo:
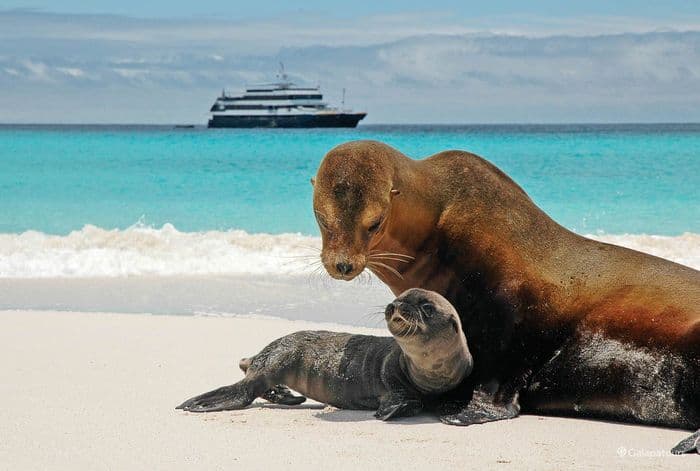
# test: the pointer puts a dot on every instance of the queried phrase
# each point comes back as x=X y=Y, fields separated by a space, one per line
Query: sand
x=97 y=391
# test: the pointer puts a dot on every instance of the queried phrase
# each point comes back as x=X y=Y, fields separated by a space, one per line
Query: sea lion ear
x=455 y=326
x=394 y=192
x=313 y=181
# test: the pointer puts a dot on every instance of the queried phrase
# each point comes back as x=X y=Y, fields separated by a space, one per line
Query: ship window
x=282 y=97
x=260 y=107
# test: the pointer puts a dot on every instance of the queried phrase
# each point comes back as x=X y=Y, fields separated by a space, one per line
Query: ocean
x=609 y=179
x=112 y=202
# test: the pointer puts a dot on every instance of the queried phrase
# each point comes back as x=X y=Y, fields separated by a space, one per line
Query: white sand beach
x=98 y=391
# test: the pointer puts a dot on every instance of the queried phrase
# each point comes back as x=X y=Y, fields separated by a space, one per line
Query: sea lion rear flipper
x=688 y=445
x=235 y=396
x=281 y=394
x=393 y=406
x=479 y=410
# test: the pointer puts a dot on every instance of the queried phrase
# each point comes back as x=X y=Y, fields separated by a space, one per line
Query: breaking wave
x=142 y=250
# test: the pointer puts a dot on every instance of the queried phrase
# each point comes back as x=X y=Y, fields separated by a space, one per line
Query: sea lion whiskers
x=417 y=325
x=405 y=323
x=294 y=258
x=376 y=316
x=309 y=256
x=303 y=264
x=374 y=264
x=310 y=266
x=364 y=278
x=309 y=260
x=319 y=274
x=410 y=326
x=420 y=315
x=375 y=270
x=392 y=254
x=310 y=247
x=411 y=329
x=387 y=257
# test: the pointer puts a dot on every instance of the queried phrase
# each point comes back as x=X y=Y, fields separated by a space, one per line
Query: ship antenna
x=282 y=75
x=342 y=103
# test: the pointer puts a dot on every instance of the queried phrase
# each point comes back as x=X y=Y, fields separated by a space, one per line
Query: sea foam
x=141 y=250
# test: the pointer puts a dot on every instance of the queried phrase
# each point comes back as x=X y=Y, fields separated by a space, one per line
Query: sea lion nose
x=389 y=311
x=343 y=268
x=394 y=312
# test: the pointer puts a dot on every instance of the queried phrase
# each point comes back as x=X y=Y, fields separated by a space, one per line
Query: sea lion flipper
x=281 y=394
x=235 y=396
x=688 y=445
x=394 y=406
x=479 y=410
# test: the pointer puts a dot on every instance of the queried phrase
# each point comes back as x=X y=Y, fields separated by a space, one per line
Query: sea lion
x=427 y=355
x=557 y=323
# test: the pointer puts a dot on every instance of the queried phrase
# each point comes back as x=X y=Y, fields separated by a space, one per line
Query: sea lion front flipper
x=479 y=410
x=235 y=396
x=688 y=445
x=281 y=394
x=394 y=406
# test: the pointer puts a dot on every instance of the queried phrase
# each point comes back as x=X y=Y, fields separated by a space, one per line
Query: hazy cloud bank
x=70 y=68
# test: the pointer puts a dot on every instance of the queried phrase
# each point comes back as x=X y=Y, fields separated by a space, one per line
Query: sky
x=401 y=61
x=232 y=9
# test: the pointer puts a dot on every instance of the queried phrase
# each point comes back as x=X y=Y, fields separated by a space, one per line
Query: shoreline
x=232 y=273
x=299 y=298
x=98 y=391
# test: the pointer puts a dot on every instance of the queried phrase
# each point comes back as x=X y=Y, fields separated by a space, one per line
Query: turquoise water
x=605 y=178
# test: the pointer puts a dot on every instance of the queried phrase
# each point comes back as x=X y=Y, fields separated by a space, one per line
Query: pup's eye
x=375 y=225
x=428 y=309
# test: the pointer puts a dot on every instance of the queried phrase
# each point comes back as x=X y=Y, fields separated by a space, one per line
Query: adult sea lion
x=427 y=355
x=557 y=323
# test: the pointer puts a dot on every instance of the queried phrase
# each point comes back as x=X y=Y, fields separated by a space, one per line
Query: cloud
x=308 y=28
x=71 y=71
x=395 y=67
x=36 y=70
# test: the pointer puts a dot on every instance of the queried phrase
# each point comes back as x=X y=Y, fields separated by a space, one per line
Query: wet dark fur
x=358 y=371
x=344 y=370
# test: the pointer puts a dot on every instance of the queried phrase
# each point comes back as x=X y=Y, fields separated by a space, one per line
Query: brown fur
x=516 y=277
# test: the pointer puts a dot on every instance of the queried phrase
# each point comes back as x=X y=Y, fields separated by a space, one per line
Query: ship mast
x=283 y=77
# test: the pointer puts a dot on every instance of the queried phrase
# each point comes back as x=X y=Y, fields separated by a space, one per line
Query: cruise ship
x=280 y=105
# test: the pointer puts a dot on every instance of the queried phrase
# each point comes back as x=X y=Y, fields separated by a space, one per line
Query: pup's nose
x=343 y=268
x=394 y=310
x=389 y=311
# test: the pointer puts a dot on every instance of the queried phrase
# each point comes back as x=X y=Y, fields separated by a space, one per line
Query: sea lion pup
x=557 y=323
x=427 y=355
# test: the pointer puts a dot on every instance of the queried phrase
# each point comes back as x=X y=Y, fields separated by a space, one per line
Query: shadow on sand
x=269 y=405
x=341 y=415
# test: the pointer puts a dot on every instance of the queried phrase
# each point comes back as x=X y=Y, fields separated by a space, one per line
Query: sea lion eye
x=321 y=220
x=427 y=309
x=375 y=225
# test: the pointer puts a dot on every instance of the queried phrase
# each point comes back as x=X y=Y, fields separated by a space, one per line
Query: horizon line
x=492 y=123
